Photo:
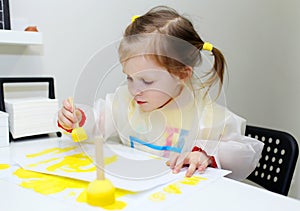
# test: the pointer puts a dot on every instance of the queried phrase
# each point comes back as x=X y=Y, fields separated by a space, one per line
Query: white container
x=4 y=129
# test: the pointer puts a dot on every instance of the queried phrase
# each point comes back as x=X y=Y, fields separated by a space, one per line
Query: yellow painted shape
x=4 y=166
x=158 y=196
x=194 y=180
x=74 y=163
x=173 y=189
x=77 y=163
x=155 y=157
x=42 y=162
x=49 y=184
x=54 y=150
x=120 y=192
x=109 y=160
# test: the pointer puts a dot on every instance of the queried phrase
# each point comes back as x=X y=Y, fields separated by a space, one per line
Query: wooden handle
x=99 y=158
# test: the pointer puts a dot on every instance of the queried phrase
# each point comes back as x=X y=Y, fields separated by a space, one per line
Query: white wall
x=258 y=37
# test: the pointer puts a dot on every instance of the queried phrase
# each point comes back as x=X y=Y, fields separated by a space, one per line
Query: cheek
x=130 y=88
x=158 y=97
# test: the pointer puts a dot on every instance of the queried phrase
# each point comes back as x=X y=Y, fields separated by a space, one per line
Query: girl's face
x=151 y=85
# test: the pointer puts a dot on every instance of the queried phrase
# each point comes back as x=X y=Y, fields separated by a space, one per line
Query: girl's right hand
x=66 y=117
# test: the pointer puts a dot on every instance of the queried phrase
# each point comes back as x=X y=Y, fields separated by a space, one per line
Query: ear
x=186 y=73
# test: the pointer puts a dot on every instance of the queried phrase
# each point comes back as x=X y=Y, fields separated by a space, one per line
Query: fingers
x=203 y=166
x=66 y=116
x=173 y=160
x=195 y=161
x=179 y=162
x=192 y=168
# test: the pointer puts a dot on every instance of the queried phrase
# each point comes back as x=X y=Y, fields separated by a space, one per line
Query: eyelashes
x=146 y=82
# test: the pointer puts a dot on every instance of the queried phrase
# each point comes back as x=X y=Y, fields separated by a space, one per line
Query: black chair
x=276 y=166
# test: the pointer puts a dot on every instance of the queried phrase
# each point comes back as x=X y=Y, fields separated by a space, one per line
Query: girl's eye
x=129 y=78
x=147 y=82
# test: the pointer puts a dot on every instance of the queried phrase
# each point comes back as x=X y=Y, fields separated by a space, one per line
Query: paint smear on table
x=4 y=166
x=175 y=188
x=49 y=184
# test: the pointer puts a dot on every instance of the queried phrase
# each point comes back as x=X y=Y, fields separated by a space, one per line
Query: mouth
x=140 y=102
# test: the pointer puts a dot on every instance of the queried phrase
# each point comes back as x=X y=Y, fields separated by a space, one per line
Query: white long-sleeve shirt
x=185 y=122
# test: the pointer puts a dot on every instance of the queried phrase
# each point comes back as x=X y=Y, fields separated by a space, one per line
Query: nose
x=135 y=89
x=136 y=92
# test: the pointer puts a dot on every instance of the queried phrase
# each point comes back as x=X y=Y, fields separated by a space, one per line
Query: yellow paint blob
x=49 y=184
x=173 y=189
x=54 y=150
x=158 y=196
x=109 y=160
x=194 y=180
x=42 y=162
x=4 y=166
x=74 y=163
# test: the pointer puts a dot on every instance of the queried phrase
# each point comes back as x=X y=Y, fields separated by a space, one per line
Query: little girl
x=166 y=108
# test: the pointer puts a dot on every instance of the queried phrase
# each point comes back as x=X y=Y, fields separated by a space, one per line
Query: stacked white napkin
x=31 y=116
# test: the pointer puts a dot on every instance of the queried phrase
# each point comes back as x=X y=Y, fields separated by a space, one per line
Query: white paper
x=128 y=169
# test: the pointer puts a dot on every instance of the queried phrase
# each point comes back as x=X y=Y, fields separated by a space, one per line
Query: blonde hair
x=175 y=31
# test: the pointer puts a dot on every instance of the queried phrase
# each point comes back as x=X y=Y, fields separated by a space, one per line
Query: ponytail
x=218 y=69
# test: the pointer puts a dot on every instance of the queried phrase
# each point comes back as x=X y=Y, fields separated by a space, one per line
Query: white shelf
x=9 y=37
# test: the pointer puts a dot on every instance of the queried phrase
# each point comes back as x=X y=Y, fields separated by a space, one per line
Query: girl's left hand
x=194 y=160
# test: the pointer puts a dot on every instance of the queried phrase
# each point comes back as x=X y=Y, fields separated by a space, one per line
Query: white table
x=222 y=194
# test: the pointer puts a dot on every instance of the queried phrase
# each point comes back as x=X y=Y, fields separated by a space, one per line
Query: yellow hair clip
x=207 y=46
x=134 y=18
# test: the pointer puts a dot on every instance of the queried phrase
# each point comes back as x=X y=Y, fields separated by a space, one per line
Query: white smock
x=185 y=122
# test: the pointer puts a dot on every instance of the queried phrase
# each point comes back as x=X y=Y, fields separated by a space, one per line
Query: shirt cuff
x=212 y=159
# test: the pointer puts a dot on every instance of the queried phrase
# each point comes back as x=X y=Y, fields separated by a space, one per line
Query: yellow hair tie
x=134 y=18
x=207 y=46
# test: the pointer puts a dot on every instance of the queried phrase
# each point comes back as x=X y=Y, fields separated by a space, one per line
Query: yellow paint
x=4 y=166
x=158 y=196
x=42 y=162
x=155 y=157
x=121 y=192
x=118 y=205
x=52 y=150
x=49 y=184
x=74 y=163
x=109 y=160
x=175 y=188
x=194 y=180
x=172 y=188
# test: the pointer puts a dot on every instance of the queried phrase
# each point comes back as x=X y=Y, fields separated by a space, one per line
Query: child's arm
x=233 y=150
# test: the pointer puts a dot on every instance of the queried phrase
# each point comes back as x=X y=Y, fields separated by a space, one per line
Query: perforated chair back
x=276 y=166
